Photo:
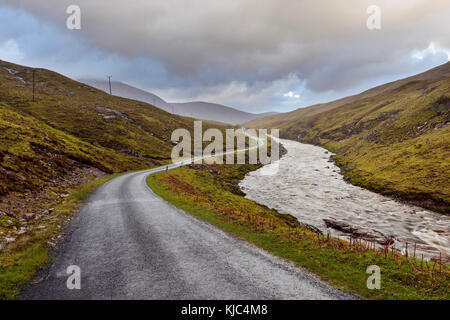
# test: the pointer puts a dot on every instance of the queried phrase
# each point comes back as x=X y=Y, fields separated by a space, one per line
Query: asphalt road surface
x=131 y=244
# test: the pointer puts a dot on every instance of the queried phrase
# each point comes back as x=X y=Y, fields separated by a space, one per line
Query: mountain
x=197 y=109
x=126 y=91
x=393 y=139
x=73 y=128
x=216 y=112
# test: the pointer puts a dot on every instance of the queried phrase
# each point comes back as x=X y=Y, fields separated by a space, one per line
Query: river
x=310 y=187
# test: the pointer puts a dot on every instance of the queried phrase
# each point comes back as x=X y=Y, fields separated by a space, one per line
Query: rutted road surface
x=130 y=244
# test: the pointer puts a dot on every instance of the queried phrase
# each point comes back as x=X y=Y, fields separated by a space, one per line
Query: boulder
x=28 y=216
x=311 y=228
x=358 y=232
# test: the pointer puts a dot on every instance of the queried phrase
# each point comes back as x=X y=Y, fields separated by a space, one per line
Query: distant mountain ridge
x=126 y=91
x=217 y=112
x=195 y=109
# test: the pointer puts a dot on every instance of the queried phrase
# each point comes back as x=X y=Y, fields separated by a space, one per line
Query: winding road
x=131 y=244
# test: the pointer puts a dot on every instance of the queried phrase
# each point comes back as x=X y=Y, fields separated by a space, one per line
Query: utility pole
x=34 y=71
x=110 y=90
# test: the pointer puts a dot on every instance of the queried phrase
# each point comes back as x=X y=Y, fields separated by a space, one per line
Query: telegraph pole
x=34 y=71
x=110 y=90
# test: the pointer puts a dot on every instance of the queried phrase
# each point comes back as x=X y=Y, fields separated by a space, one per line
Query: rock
x=339 y=225
x=28 y=216
x=41 y=227
x=132 y=153
x=311 y=228
x=359 y=232
x=22 y=230
x=109 y=117
x=9 y=222
x=11 y=239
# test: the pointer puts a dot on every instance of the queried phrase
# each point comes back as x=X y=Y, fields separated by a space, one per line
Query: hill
x=72 y=127
x=197 y=109
x=215 y=112
x=393 y=139
x=123 y=90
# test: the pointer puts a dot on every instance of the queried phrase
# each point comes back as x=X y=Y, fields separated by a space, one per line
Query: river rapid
x=308 y=186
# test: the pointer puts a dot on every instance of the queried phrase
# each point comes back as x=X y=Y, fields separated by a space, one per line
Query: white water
x=310 y=188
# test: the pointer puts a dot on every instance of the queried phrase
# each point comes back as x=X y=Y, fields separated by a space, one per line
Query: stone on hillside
x=28 y=216
x=22 y=230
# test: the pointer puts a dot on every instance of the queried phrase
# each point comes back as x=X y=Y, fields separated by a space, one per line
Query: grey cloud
x=256 y=42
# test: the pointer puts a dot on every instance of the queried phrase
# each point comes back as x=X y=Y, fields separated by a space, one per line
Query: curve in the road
x=131 y=244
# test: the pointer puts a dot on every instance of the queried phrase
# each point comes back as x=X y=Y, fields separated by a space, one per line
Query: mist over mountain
x=197 y=109
x=217 y=112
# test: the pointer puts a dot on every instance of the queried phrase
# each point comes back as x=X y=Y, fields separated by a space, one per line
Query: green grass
x=19 y=260
x=216 y=199
x=32 y=154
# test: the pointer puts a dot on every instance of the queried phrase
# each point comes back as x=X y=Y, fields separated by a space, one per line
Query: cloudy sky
x=255 y=55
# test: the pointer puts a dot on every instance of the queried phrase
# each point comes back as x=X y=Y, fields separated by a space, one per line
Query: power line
x=110 y=90
x=34 y=72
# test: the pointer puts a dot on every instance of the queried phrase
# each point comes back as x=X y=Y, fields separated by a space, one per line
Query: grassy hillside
x=33 y=154
x=393 y=139
x=92 y=115
x=71 y=124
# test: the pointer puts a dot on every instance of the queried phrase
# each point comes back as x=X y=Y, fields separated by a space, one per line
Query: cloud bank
x=245 y=53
